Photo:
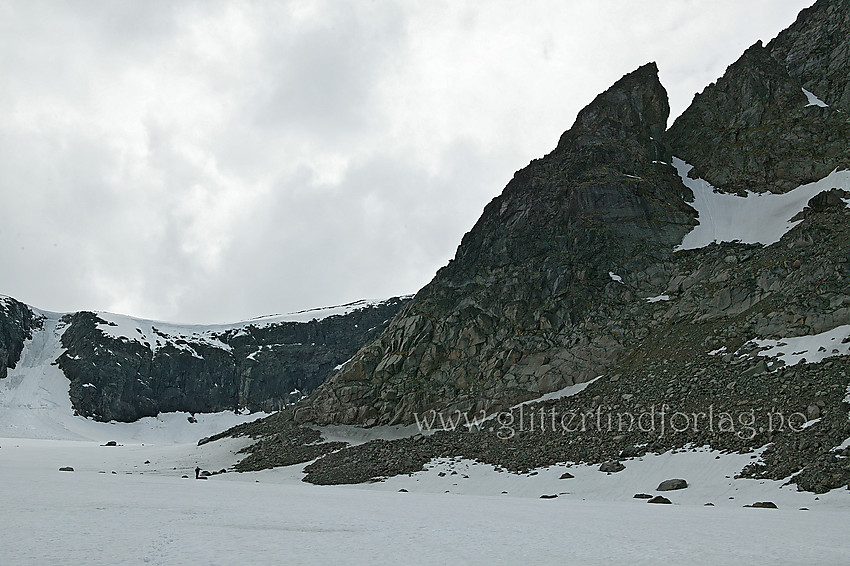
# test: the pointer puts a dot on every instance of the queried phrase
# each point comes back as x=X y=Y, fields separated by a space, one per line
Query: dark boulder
x=670 y=485
x=763 y=505
x=612 y=467
x=659 y=499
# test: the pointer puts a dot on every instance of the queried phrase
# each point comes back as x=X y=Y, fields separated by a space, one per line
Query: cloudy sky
x=213 y=161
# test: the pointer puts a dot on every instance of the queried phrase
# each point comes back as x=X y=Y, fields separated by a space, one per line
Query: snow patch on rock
x=758 y=218
x=811 y=348
x=814 y=100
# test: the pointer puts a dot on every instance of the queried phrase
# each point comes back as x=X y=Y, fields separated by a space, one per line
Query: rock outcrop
x=815 y=50
x=16 y=324
x=542 y=291
x=258 y=367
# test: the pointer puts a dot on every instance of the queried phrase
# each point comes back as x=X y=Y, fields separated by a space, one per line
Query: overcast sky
x=214 y=161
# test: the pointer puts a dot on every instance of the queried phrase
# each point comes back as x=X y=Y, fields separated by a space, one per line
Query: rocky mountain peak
x=570 y=275
x=758 y=85
x=635 y=105
x=502 y=321
x=543 y=290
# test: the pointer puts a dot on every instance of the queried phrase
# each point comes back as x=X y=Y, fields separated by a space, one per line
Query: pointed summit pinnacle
x=634 y=105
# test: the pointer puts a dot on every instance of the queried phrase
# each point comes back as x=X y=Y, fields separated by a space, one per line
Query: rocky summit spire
x=504 y=320
x=635 y=106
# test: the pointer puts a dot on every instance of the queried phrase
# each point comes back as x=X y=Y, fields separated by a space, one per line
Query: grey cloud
x=383 y=230
x=205 y=196
x=320 y=79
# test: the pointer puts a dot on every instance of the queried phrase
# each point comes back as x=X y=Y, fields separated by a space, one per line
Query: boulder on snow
x=612 y=467
x=566 y=476
x=670 y=485
x=66 y=469
x=763 y=505
x=631 y=452
x=660 y=499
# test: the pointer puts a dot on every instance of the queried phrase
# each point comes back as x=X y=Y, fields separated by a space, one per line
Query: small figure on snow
x=197 y=472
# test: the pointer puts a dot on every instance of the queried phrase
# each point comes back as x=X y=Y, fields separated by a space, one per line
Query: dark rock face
x=261 y=367
x=17 y=322
x=506 y=319
x=753 y=130
x=815 y=50
x=528 y=306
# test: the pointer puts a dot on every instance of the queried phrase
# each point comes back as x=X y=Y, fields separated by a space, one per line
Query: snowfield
x=813 y=100
x=34 y=403
x=810 y=348
x=131 y=504
x=755 y=219
x=148 y=514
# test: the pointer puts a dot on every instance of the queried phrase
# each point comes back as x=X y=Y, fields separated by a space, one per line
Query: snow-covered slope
x=146 y=513
x=156 y=334
x=125 y=368
x=34 y=403
x=89 y=362
x=758 y=218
